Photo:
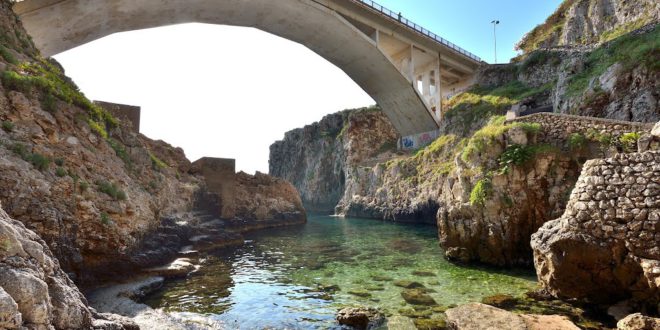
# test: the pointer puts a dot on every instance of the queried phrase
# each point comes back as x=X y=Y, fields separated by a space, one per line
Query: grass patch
x=156 y=163
x=8 y=55
x=49 y=80
x=479 y=102
x=629 y=50
x=623 y=29
x=538 y=58
x=111 y=190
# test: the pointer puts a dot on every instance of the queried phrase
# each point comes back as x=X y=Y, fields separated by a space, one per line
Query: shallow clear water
x=283 y=278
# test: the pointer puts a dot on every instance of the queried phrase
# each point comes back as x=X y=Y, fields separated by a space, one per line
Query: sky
x=213 y=91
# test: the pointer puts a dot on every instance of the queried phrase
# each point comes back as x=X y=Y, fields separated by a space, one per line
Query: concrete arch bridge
x=404 y=67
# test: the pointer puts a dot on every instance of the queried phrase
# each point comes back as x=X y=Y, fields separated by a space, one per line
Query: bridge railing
x=387 y=12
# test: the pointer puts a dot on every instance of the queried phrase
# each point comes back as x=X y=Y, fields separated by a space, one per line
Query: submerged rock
x=408 y=284
x=500 y=300
x=400 y=323
x=417 y=297
x=362 y=318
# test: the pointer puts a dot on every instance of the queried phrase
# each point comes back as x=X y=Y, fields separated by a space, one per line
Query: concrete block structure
x=219 y=175
x=404 y=67
x=126 y=113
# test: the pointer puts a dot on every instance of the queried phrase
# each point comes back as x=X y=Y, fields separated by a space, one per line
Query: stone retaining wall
x=558 y=127
x=606 y=246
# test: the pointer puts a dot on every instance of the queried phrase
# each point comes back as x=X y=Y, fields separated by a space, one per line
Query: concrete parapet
x=125 y=113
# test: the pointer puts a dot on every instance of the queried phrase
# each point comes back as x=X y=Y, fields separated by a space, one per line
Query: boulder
x=361 y=318
x=638 y=321
x=477 y=316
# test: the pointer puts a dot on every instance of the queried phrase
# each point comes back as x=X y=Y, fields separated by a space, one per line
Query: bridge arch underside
x=59 y=25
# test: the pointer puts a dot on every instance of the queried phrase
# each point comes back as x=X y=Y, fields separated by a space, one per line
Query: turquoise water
x=298 y=277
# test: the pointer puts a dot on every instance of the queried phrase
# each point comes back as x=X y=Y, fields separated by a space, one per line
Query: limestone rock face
x=605 y=247
x=34 y=291
x=522 y=200
x=585 y=22
x=262 y=200
x=319 y=159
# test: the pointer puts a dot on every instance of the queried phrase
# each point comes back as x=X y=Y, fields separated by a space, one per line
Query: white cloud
x=213 y=90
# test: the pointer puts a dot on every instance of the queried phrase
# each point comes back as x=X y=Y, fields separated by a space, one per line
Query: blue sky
x=467 y=22
x=192 y=98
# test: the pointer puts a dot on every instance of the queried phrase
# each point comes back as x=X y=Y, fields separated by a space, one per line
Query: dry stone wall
x=606 y=246
x=557 y=127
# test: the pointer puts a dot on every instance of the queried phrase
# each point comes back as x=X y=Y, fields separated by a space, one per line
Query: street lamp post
x=495 y=22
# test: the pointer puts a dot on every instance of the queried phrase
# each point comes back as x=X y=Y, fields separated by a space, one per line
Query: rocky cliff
x=318 y=158
x=585 y=22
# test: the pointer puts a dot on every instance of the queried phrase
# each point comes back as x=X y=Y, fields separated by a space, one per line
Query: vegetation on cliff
x=583 y=22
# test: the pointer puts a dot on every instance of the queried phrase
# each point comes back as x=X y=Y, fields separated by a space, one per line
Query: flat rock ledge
x=121 y=299
x=476 y=316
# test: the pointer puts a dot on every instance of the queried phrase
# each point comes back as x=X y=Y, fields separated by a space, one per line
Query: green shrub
x=83 y=185
x=105 y=219
x=515 y=155
x=111 y=190
x=20 y=150
x=7 y=55
x=14 y=81
x=482 y=190
x=39 y=161
x=629 y=141
x=60 y=172
x=7 y=126
x=576 y=141
x=59 y=161
x=605 y=139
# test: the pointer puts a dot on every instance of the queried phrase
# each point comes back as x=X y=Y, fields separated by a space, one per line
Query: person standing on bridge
x=399 y=16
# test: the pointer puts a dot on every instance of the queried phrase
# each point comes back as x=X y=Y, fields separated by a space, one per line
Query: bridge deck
x=415 y=27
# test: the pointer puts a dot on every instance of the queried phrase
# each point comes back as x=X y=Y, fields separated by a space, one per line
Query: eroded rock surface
x=34 y=291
